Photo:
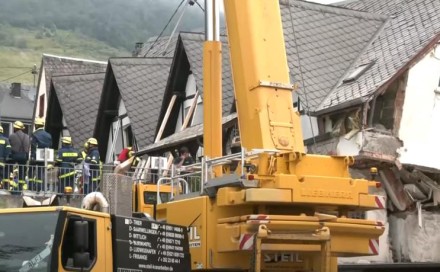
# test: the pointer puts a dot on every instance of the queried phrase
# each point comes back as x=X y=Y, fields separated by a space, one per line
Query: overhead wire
x=198 y=4
x=13 y=67
x=301 y=74
x=15 y=76
x=163 y=30
x=175 y=28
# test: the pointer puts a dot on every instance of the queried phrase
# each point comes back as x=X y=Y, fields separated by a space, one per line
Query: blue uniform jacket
x=5 y=148
x=93 y=158
x=40 y=139
x=68 y=156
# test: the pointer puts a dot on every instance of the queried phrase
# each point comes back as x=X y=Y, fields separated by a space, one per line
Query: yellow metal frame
x=263 y=90
x=212 y=97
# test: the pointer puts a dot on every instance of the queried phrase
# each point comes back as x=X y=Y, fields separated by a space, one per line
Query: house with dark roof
x=52 y=65
x=322 y=43
x=73 y=106
x=130 y=104
x=16 y=103
x=385 y=109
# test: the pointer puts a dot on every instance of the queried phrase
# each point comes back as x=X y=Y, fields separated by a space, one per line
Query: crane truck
x=279 y=210
x=272 y=207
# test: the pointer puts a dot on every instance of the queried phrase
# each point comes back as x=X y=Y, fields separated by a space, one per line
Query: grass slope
x=21 y=48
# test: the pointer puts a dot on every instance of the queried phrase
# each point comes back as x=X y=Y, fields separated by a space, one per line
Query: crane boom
x=262 y=86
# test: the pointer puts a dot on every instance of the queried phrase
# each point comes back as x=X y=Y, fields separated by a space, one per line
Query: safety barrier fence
x=82 y=178
x=85 y=178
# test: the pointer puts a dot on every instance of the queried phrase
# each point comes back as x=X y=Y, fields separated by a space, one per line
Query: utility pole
x=34 y=72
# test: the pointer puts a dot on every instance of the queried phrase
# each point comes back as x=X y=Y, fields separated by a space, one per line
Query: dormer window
x=358 y=71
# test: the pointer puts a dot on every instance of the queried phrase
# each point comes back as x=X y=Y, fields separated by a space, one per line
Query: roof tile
x=411 y=27
x=142 y=82
x=79 y=97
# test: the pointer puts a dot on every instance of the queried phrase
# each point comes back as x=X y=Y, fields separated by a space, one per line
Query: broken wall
x=420 y=124
x=412 y=243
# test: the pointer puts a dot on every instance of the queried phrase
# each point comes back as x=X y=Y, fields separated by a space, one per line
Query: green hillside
x=21 y=48
x=95 y=29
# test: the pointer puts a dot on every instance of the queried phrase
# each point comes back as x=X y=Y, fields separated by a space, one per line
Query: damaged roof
x=78 y=97
x=141 y=83
x=322 y=43
x=413 y=27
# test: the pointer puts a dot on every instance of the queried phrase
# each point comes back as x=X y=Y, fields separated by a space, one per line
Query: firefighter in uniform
x=126 y=154
x=136 y=160
x=39 y=139
x=93 y=160
x=66 y=158
x=85 y=150
x=5 y=150
x=20 y=143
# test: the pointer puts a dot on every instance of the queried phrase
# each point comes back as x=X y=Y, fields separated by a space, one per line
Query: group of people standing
x=22 y=171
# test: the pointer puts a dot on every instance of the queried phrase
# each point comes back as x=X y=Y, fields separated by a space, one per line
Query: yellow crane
x=281 y=209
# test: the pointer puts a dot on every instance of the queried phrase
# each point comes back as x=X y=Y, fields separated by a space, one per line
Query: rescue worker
x=20 y=143
x=85 y=150
x=5 y=150
x=136 y=160
x=126 y=154
x=123 y=156
x=39 y=139
x=93 y=160
x=184 y=158
x=66 y=158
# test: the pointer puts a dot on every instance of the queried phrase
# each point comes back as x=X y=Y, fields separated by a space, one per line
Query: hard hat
x=66 y=140
x=39 y=121
x=1 y=129
x=130 y=151
x=92 y=141
x=18 y=125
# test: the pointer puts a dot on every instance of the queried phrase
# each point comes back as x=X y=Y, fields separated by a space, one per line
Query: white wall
x=115 y=139
x=309 y=126
x=190 y=89
x=41 y=91
x=420 y=125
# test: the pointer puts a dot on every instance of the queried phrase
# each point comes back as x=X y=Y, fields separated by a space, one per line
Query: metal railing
x=83 y=178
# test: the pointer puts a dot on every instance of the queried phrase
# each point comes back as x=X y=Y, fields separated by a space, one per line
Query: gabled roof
x=141 y=83
x=60 y=66
x=78 y=97
x=14 y=108
x=413 y=28
x=323 y=40
x=322 y=43
x=193 y=45
x=159 y=47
